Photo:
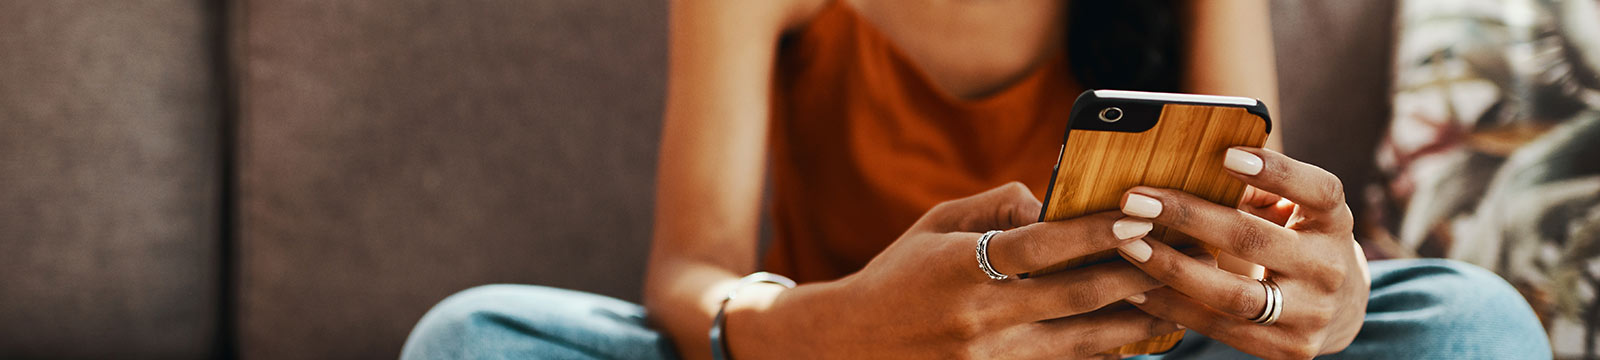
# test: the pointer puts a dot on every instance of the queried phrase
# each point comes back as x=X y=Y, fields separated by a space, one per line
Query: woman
x=875 y=113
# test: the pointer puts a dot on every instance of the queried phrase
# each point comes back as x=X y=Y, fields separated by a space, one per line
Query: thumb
x=1266 y=205
x=1005 y=207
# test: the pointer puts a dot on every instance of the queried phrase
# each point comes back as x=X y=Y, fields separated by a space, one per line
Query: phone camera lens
x=1111 y=114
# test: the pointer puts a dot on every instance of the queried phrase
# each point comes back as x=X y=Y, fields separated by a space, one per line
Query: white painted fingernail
x=1242 y=162
x=1142 y=206
x=1137 y=249
x=1129 y=228
x=1136 y=298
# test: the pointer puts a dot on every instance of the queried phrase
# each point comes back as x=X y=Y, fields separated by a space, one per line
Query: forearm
x=712 y=158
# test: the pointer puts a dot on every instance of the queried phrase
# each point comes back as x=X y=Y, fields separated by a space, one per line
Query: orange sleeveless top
x=863 y=143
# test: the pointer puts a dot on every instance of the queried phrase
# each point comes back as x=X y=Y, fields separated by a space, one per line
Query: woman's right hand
x=925 y=297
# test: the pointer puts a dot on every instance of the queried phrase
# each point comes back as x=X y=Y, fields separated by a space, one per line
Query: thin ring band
x=1266 y=310
x=983 y=256
x=1274 y=303
x=1277 y=303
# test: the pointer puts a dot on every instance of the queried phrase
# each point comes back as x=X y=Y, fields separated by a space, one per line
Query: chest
x=970 y=49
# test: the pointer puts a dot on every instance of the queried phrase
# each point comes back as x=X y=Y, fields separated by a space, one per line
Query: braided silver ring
x=1274 y=307
x=983 y=256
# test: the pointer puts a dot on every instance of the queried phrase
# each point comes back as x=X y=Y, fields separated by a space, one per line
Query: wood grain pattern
x=1183 y=151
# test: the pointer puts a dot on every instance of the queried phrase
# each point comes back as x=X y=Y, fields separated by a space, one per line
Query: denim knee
x=522 y=321
x=1437 y=308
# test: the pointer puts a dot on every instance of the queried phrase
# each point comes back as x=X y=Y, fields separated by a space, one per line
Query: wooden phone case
x=1182 y=150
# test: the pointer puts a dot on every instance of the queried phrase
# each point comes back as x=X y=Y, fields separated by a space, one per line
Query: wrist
x=769 y=321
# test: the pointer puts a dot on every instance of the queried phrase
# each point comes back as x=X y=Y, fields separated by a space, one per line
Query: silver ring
x=1277 y=302
x=1267 y=310
x=1274 y=307
x=983 y=256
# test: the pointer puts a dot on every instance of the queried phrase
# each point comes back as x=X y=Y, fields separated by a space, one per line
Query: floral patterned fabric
x=1493 y=152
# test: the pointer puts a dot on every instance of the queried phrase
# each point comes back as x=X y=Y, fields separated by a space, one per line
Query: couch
x=304 y=178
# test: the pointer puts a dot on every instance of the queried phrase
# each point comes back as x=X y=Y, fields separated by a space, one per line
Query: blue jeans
x=1419 y=309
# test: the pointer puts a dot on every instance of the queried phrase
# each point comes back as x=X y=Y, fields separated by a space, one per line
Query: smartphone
x=1120 y=139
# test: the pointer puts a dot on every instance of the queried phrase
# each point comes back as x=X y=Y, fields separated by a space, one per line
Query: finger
x=1070 y=293
x=1272 y=342
x=1040 y=245
x=1256 y=198
x=1307 y=185
x=1005 y=207
x=1081 y=336
x=1227 y=292
x=1243 y=235
x=1266 y=205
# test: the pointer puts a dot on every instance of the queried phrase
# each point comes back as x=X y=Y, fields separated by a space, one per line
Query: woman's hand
x=1306 y=243
x=925 y=297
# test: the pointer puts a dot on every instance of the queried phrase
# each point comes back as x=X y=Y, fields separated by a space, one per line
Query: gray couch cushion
x=108 y=179
x=394 y=152
x=1333 y=75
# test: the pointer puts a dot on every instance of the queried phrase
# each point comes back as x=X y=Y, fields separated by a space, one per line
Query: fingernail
x=1128 y=228
x=1180 y=326
x=1137 y=249
x=1242 y=162
x=1142 y=206
x=1136 y=299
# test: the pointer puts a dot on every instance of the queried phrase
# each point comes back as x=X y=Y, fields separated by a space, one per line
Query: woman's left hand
x=1306 y=243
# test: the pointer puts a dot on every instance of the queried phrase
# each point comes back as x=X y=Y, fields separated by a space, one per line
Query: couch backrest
x=110 y=119
x=394 y=152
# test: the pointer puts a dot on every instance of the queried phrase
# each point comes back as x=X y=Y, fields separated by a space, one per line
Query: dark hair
x=1125 y=44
